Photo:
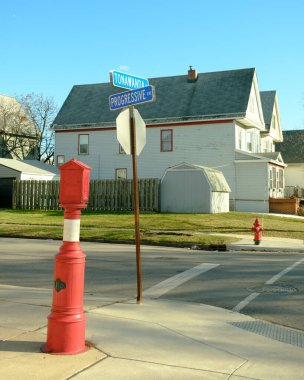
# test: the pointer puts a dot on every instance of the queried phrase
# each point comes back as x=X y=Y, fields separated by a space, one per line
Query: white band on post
x=71 y=229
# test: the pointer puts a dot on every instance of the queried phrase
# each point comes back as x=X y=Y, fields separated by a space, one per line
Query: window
x=274 y=122
x=281 y=178
x=166 y=140
x=240 y=137
x=121 y=173
x=274 y=178
x=60 y=159
x=83 y=144
x=270 y=179
x=249 y=141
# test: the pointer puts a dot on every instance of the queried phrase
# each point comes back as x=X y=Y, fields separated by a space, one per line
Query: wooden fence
x=105 y=195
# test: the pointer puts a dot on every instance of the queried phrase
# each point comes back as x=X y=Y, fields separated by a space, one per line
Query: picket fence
x=105 y=195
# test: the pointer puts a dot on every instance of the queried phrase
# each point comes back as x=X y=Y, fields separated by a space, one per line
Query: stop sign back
x=124 y=131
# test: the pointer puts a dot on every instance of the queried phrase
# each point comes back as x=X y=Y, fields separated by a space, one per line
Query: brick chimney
x=192 y=75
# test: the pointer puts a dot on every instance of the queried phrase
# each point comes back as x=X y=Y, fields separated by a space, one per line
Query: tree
x=41 y=111
x=17 y=133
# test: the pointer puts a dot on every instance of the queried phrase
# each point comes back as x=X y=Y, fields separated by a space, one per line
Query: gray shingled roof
x=292 y=147
x=221 y=94
x=267 y=100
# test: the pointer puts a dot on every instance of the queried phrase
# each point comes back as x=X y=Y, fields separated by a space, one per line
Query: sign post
x=136 y=206
x=140 y=92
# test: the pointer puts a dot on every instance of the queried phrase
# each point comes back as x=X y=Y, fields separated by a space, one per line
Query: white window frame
x=82 y=151
x=121 y=173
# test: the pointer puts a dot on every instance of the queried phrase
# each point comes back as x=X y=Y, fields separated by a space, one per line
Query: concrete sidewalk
x=275 y=244
x=159 y=339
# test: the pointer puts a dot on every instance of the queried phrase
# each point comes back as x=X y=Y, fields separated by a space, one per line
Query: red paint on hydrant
x=67 y=321
x=257 y=231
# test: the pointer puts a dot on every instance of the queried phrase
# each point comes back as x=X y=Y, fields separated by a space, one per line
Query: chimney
x=192 y=75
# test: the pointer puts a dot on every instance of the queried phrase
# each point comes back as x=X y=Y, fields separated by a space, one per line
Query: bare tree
x=17 y=133
x=41 y=111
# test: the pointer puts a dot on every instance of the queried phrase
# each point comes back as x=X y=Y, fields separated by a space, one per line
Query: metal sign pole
x=136 y=205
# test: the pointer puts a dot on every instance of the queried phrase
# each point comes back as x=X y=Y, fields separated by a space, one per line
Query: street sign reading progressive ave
x=130 y=82
x=130 y=98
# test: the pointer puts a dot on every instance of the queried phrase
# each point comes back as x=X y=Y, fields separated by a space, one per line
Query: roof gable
x=213 y=95
x=271 y=114
x=254 y=111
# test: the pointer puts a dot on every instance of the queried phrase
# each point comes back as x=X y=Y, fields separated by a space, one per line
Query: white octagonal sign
x=124 y=133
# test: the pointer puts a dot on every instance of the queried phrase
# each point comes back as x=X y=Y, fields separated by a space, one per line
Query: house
x=18 y=135
x=292 y=150
x=10 y=170
x=211 y=119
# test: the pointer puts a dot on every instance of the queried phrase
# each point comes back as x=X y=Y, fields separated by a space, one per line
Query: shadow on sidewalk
x=21 y=346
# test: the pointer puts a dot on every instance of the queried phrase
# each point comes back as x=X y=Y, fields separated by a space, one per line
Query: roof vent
x=192 y=75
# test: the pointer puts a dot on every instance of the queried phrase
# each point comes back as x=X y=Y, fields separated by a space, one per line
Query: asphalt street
x=264 y=285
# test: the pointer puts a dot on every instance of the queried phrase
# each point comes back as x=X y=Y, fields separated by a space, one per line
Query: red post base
x=66 y=335
x=66 y=323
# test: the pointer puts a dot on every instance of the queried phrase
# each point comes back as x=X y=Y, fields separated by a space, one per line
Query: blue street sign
x=130 y=82
x=130 y=98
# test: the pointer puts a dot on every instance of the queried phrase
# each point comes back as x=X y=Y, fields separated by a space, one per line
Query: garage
x=11 y=170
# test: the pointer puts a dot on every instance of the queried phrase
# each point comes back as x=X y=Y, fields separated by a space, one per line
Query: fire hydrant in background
x=257 y=231
x=66 y=323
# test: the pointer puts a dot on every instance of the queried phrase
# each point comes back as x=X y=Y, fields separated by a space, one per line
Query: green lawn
x=156 y=228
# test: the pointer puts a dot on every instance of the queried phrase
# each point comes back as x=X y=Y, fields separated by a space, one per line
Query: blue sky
x=47 y=46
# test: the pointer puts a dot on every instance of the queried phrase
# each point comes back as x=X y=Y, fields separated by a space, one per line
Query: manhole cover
x=274 y=289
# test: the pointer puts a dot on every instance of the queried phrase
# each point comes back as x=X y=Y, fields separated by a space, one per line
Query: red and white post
x=67 y=321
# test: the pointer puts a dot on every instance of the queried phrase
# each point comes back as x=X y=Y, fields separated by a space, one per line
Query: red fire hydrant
x=257 y=231
x=66 y=323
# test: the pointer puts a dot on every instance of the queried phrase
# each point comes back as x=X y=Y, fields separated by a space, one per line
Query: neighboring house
x=292 y=150
x=211 y=119
x=18 y=136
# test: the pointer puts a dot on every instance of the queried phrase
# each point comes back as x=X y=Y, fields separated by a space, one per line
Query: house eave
x=155 y=121
x=250 y=123
x=266 y=161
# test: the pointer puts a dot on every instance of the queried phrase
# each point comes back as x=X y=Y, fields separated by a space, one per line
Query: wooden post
x=136 y=205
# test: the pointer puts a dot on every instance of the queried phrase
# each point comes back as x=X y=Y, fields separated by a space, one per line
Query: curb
x=194 y=247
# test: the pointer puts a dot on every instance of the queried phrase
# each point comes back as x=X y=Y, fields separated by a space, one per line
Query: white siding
x=208 y=144
x=252 y=187
x=252 y=206
x=36 y=177
x=294 y=175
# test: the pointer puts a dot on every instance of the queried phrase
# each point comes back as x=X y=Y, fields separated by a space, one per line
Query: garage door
x=6 y=192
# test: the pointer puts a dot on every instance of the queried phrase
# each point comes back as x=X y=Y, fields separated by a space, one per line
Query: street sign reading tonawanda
x=127 y=81
x=130 y=98
x=123 y=131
